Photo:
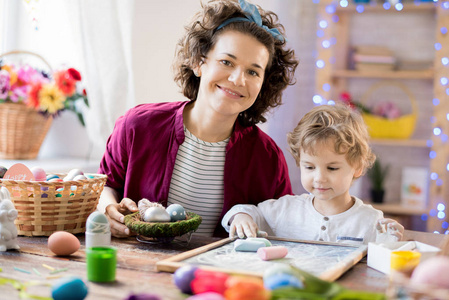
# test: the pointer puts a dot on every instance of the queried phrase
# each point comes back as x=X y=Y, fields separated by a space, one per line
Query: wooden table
x=136 y=271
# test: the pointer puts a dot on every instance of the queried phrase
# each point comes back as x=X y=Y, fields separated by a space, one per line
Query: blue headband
x=252 y=15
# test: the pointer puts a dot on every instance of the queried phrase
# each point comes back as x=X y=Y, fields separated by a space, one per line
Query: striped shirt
x=197 y=181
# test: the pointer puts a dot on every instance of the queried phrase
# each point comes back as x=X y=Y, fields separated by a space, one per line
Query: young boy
x=330 y=145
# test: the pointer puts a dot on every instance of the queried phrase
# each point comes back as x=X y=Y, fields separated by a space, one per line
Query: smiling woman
x=206 y=153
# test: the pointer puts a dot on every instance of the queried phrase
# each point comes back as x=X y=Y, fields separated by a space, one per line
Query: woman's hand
x=116 y=216
x=392 y=227
x=243 y=225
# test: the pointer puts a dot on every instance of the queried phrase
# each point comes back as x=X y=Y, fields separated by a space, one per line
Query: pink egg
x=434 y=271
x=39 y=174
x=63 y=243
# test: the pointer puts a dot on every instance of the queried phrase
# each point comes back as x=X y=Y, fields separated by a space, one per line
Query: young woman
x=206 y=154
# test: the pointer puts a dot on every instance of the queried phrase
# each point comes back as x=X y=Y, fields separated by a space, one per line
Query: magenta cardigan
x=141 y=152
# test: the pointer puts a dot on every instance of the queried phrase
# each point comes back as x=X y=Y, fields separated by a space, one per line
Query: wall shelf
x=400 y=74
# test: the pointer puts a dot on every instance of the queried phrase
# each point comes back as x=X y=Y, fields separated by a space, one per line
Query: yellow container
x=404 y=261
x=399 y=128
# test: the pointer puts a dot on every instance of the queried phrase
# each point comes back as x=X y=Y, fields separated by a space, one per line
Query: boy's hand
x=243 y=225
x=391 y=226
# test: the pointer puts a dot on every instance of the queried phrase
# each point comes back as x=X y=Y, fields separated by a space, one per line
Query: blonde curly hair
x=338 y=123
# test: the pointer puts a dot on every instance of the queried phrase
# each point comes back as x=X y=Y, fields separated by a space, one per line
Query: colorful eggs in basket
x=72 y=174
x=63 y=243
x=176 y=212
x=2 y=171
x=39 y=174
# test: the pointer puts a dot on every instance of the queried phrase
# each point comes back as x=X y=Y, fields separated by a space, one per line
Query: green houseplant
x=377 y=175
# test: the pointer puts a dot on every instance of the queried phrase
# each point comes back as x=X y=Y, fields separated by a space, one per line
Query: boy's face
x=327 y=175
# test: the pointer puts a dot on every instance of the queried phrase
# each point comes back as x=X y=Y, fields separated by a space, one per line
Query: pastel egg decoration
x=63 y=243
x=39 y=174
x=69 y=288
x=433 y=271
x=3 y=170
x=52 y=176
x=183 y=276
x=98 y=231
x=176 y=212
x=79 y=177
x=156 y=214
x=72 y=174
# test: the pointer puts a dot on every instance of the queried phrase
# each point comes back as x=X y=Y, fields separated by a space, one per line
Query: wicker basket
x=399 y=128
x=44 y=208
x=22 y=129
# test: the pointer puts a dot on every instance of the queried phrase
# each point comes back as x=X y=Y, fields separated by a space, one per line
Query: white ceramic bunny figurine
x=8 y=230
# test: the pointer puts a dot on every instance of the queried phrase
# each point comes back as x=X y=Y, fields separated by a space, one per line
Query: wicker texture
x=44 y=208
x=22 y=131
x=399 y=128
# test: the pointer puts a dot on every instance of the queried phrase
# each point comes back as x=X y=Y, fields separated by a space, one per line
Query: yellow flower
x=12 y=74
x=51 y=99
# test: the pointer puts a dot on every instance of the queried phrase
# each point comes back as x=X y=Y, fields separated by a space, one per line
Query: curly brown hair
x=339 y=124
x=202 y=34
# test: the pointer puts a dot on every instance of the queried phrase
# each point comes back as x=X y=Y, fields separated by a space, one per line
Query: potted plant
x=377 y=175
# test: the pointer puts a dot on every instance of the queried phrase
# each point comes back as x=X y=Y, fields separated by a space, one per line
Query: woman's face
x=232 y=74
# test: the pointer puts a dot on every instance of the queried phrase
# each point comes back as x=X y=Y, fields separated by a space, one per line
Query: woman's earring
x=196 y=73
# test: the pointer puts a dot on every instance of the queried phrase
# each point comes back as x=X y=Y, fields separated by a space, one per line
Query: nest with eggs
x=159 y=230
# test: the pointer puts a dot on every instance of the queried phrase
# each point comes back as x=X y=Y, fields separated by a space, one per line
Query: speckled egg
x=69 y=288
x=97 y=222
x=176 y=212
x=63 y=243
x=156 y=214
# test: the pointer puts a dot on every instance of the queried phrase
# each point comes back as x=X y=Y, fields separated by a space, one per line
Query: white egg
x=434 y=271
x=176 y=212
x=156 y=214
x=72 y=174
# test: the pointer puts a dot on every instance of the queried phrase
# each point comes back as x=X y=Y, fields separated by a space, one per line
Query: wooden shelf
x=398 y=209
x=377 y=8
x=400 y=74
x=400 y=143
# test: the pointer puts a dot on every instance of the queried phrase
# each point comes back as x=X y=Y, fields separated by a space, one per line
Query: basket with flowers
x=30 y=97
x=384 y=119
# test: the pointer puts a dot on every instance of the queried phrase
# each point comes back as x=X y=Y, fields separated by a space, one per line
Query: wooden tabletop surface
x=136 y=270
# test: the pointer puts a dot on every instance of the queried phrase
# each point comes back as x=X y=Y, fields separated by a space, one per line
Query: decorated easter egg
x=72 y=174
x=69 y=288
x=143 y=296
x=207 y=296
x=2 y=171
x=97 y=222
x=39 y=174
x=176 y=212
x=278 y=269
x=183 y=276
x=156 y=214
x=52 y=176
x=282 y=280
x=432 y=271
x=79 y=177
x=63 y=243
x=209 y=281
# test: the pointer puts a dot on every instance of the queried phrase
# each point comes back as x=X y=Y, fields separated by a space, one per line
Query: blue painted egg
x=176 y=212
x=278 y=269
x=183 y=277
x=97 y=222
x=52 y=176
x=282 y=280
x=69 y=288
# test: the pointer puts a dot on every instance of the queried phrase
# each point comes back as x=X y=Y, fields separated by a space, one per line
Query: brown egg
x=63 y=243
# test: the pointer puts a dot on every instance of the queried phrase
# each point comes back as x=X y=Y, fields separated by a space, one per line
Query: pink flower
x=18 y=93
x=387 y=109
x=4 y=84
x=346 y=98
x=26 y=75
